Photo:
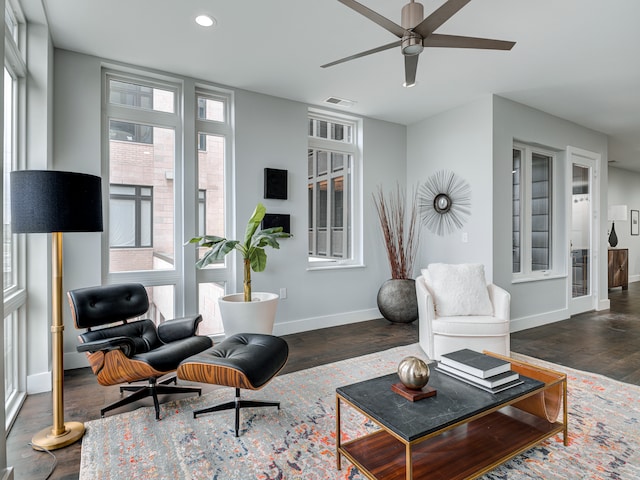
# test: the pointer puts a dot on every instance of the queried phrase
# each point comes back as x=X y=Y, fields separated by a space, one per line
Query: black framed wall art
x=275 y=183
x=283 y=220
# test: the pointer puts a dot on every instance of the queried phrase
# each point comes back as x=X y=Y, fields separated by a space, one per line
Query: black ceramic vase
x=613 y=238
x=397 y=300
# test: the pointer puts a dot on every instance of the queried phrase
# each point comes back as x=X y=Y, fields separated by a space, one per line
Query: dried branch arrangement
x=401 y=234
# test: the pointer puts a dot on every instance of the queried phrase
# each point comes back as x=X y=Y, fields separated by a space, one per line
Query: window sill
x=334 y=266
x=537 y=278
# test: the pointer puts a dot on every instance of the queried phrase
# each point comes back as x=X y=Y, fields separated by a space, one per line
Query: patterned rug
x=297 y=442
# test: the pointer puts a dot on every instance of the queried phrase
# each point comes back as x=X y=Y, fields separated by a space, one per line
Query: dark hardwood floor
x=603 y=342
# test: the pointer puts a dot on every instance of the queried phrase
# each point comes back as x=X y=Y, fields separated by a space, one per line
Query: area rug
x=298 y=442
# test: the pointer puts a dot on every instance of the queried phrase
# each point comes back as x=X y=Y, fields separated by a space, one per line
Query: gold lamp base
x=45 y=439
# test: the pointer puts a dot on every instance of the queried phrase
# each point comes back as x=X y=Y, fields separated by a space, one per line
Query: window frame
x=15 y=296
x=137 y=198
x=352 y=188
x=526 y=272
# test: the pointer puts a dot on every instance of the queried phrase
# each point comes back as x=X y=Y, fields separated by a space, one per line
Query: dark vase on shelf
x=397 y=300
x=613 y=238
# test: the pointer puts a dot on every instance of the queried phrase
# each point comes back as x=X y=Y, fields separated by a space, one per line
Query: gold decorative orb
x=413 y=372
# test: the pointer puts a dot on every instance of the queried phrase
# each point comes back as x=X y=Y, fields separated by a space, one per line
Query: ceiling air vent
x=341 y=102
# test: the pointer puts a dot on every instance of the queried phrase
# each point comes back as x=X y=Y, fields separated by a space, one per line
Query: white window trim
x=15 y=297
x=556 y=269
x=184 y=277
x=355 y=149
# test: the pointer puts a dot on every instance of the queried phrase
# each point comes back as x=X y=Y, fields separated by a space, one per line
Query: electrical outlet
x=465 y=237
x=283 y=293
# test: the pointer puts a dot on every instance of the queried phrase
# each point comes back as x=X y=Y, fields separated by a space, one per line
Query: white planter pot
x=256 y=316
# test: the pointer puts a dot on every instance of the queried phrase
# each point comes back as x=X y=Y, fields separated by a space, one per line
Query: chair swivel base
x=152 y=389
x=237 y=404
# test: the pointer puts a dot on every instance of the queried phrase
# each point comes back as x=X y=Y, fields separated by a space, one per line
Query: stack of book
x=480 y=370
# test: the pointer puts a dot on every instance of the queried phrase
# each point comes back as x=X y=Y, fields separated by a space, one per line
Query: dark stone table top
x=455 y=401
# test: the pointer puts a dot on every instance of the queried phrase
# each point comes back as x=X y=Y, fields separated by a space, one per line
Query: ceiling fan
x=417 y=32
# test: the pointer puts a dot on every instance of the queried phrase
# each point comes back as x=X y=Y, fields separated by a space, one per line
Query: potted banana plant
x=247 y=312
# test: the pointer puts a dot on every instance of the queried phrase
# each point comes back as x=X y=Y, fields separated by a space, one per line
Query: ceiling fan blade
x=384 y=22
x=437 y=18
x=456 y=41
x=363 y=54
x=410 y=68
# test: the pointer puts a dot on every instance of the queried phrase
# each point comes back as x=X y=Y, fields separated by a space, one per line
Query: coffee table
x=461 y=432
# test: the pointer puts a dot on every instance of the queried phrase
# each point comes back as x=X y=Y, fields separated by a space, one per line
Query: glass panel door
x=581 y=207
x=582 y=196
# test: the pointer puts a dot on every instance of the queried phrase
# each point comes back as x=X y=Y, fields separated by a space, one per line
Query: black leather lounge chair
x=132 y=351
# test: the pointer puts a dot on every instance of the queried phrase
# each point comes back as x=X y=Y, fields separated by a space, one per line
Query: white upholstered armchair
x=457 y=309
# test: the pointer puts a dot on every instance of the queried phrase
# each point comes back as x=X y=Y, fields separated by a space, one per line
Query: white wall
x=270 y=132
x=624 y=189
x=475 y=141
x=535 y=303
x=39 y=146
x=458 y=140
x=76 y=148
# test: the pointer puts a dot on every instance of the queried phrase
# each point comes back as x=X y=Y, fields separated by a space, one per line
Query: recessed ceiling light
x=205 y=21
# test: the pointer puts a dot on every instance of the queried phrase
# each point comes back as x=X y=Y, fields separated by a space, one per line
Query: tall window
x=9 y=271
x=142 y=138
x=331 y=162
x=167 y=183
x=14 y=297
x=532 y=210
x=213 y=131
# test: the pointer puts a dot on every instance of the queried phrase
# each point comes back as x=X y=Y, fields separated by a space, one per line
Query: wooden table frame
x=516 y=426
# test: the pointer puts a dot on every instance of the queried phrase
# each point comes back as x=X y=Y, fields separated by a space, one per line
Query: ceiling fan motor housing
x=412 y=15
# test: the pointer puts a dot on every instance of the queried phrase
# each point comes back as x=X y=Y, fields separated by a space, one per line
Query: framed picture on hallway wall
x=635 y=228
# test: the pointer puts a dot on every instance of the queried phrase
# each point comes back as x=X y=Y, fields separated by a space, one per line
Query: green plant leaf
x=266 y=240
x=206 y=259
x=269 y=236
x=253 y=224
x=207 y=241
x=221 y=249
x=258 y=260
x=217 y=251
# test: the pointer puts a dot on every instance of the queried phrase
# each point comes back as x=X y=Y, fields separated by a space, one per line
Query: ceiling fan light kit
x=416 y=32
x=412 y=44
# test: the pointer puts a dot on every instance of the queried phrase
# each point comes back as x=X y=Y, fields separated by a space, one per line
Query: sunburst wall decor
x=445 y=202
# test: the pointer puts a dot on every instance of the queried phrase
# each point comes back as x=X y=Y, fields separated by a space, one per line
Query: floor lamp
x=48 y=201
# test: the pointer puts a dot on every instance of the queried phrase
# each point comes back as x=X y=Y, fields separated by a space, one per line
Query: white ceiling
x=577 y=59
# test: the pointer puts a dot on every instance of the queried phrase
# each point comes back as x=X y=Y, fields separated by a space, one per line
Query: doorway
x=583 y=289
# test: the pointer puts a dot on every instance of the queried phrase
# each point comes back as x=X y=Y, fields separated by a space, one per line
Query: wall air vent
x=340 y=102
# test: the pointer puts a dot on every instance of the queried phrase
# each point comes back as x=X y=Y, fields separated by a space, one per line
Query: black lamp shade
x=53 y=201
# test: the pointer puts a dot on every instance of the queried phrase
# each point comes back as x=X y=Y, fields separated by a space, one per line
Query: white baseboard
x=603 y=305
x=315 y=323
x=38 y=383
x=532 y=321
x=634 y=278
x=6 y=474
